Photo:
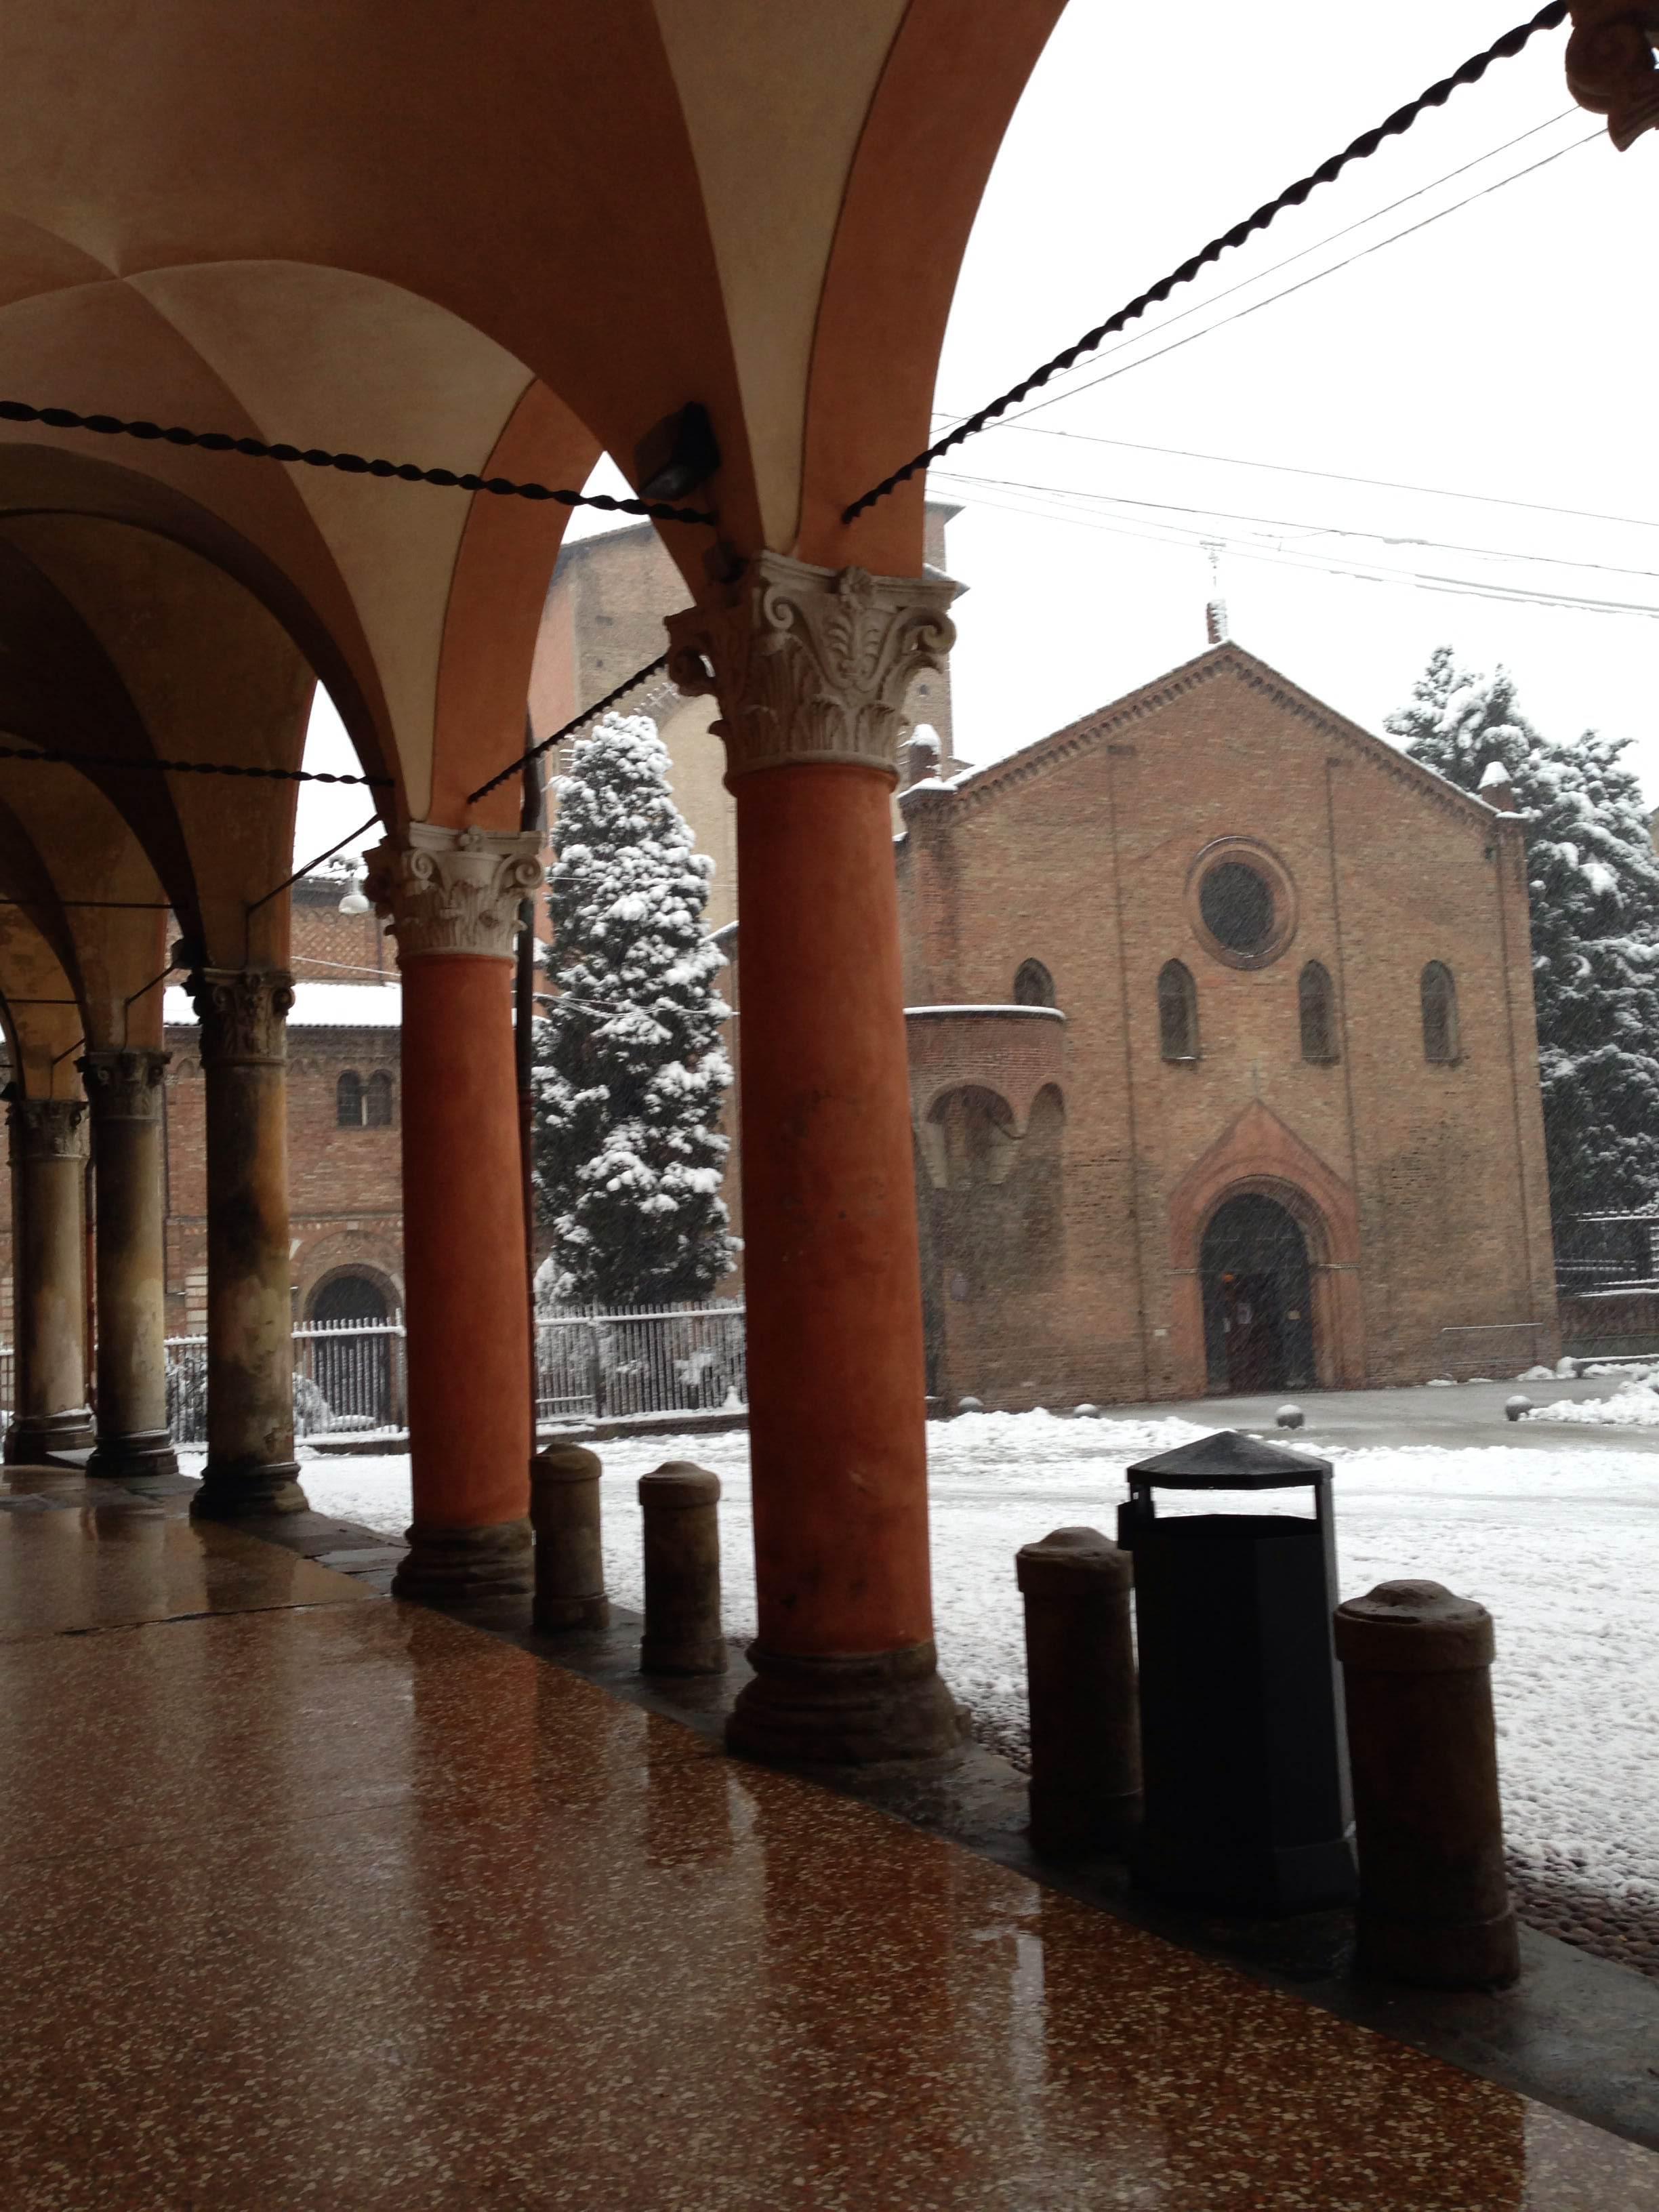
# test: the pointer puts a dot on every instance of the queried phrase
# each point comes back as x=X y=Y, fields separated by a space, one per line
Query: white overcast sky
x=1504 y=350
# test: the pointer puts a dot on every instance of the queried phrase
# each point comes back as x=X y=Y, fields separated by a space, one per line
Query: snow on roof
x=318 y=1007
x=1492 y=775
x=1002 y=1013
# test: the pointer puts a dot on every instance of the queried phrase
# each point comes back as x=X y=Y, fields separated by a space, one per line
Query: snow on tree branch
x=630 y=1072
x=1592 y=881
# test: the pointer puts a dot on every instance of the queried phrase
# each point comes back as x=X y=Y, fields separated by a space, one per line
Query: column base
x=246 y=1490
x=460 y=1566
x=1466 y=1954
x=142 y=1455
x=33 y=1439
x=858 y=1712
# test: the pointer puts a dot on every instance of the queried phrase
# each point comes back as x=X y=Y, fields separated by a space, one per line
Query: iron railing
x=352 y=1377
x=593 y=1365
x=1607 y=1252
x=348 y=1377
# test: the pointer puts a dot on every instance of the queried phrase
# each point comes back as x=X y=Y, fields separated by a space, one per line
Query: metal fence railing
x=348 y=1377
x=1607 y=1252
x=352 y=1377
x=593 y=1365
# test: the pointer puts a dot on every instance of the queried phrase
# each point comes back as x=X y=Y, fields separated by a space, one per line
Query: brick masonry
x=1420 y=1188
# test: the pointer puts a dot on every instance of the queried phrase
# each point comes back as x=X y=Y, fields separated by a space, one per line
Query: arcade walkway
x=315 y=1899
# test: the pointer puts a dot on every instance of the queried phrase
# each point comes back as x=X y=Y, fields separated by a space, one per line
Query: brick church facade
x=1224 y=1064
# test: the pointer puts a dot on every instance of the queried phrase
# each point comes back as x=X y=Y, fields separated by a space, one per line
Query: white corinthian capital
x=454 y=891
x=811 y=664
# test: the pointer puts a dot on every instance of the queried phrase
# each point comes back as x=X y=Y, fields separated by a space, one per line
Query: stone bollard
x=1434 y=1902
x=564 y=1513
x=1080 y=1672
x=680 y=1503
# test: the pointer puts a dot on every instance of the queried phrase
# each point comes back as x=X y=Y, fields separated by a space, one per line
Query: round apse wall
x=1242 y=902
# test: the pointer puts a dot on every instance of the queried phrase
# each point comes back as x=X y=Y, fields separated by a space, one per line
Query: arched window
x=1177 y=1012
x=976 y=1144
x=349 y=1100
x=1034 y=985
x=1316 y=1001
x=377 y=1101
x=1440 y=1044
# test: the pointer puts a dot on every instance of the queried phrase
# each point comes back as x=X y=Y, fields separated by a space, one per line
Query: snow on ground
x=1564 y=1550
x=1633 y=1405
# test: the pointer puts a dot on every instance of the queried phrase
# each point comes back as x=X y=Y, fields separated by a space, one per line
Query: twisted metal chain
x=189 y=768
x=514 y=766
x=351 y=465
x=1505 y=49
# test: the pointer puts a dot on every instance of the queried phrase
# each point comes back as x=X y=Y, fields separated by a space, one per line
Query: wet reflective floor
x=315 y=1899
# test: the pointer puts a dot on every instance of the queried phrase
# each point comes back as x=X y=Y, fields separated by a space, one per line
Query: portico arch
x=1258 y=1156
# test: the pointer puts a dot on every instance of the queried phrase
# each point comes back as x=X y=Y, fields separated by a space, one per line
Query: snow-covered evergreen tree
x=1593 y=886
x=630 y=1071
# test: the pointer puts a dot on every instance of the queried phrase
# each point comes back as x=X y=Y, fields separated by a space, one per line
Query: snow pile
x=1633 y=1405
x=1563 y=1547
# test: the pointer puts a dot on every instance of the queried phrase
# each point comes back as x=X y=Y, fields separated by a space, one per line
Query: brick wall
x=329 y=946
x=345 y=1192
x=1079 y=852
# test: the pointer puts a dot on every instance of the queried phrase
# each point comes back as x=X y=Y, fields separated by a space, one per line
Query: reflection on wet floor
x=76 y=1555
x=355 y=1906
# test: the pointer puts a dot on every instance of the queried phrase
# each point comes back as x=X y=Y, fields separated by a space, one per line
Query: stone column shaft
x=49 y=1158
x=812 y=669
x=453 y=900
x=250 y=1469
x=124 y=1090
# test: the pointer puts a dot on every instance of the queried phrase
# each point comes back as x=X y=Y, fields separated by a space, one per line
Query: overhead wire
x=1259 y=276
x=1287 y=291
x=1333 y=475
x=1172 y=535
x=1298 y=522
x=1513 y=42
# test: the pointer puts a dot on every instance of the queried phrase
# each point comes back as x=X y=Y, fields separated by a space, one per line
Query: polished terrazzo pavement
x=312 y=1900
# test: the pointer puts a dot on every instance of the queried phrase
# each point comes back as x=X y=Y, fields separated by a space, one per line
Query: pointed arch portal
x=1243 y=1208
x=1258 y=1315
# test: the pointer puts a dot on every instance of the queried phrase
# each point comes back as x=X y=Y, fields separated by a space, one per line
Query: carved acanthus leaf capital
x=244 y=1014
x=812 y=664
x=49 y=1128
x=454 y=892
x=124 y=1085
x=1611 y=69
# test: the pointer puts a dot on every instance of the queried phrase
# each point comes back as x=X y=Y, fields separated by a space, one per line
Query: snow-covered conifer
x=1594 y=885
x=630 y=1071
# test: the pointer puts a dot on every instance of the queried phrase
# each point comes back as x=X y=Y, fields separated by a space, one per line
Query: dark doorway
x=349 y=1352
x=1258 y=1322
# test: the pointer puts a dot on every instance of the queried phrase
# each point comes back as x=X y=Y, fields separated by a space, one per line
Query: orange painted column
x=453 y=898
x=811 y=668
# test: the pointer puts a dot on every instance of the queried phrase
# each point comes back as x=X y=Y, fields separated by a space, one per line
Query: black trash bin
x=1247 y=1800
